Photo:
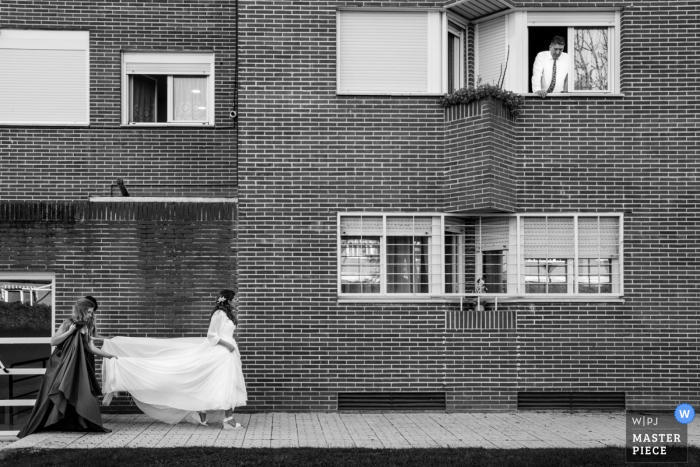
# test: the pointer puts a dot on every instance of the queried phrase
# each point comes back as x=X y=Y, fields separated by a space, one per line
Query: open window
x=507 y=46
x=168 y=88
x=397 y=52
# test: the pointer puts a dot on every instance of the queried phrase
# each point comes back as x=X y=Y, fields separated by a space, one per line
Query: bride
x=180 y=379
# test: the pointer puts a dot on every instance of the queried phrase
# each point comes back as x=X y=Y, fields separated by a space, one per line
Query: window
x=517 y=256
x=44 y=77
x=390 y=255
x=455 y=56
x=168 y=88
x=399 y=52
x=26 y=320
x=509 y=44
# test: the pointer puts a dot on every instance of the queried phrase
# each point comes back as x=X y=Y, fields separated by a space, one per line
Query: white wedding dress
x=172 y=380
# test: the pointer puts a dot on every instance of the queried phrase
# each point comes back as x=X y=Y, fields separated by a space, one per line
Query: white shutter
x=389 y=52
x=409 y=226
x=168 y=63
x=491 y=50
x=361 y=225
x=494 y=233
x=568 y=18
x=598 y=237
x=44 y=77
x=549 y=237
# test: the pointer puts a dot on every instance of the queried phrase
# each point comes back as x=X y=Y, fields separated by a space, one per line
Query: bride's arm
x=217 y=322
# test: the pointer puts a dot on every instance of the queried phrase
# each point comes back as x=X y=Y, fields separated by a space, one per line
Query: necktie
x=554 y=77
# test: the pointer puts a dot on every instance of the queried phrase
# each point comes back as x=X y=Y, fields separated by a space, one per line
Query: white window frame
x=436 y=66
x=518 y=21
x=27 y=340
x=462 y=34
x=517 y=269
x=58 y=40
x=164 y=59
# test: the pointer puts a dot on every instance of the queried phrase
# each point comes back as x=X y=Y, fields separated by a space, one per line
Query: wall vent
x=605 y=401
x=391 y=401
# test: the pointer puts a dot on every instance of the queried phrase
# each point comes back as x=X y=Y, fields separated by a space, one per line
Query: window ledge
x=158 y=199
x=54 y=124
x=505 y=299
x=574 y=94
x=390 y=94
x=164 y=125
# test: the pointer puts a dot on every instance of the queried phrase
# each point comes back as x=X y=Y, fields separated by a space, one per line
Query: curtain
x=190 y=98
x=143 y=99
x=407 y=265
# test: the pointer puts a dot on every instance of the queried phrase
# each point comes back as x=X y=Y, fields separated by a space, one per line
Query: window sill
x=505 y=299
x=567 y=95
x=54 y=124
x=166 y=125
x=158 y=199
x=390 y=94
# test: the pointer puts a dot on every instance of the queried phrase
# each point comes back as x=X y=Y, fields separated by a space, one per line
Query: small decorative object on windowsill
x=480 y=288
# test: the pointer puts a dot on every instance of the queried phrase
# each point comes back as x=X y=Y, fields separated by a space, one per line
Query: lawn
x=311 y=457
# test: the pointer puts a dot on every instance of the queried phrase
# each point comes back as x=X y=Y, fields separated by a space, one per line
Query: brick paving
x=377 y=430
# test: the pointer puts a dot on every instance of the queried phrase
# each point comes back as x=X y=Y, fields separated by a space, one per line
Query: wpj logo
x=645 y=421
x=659 y=437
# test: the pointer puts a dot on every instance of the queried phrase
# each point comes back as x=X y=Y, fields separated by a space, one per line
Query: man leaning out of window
x=551 y=69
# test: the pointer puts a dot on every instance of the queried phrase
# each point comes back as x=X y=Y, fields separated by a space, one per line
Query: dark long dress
x=67 y=398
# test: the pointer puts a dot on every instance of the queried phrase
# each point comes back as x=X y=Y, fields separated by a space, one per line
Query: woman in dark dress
x=67 y=398
x=94 y=335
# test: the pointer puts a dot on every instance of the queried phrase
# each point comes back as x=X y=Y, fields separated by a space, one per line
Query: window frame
x=49 y=277
x=518 y=269
x=517 y=23
x=435 y=59
x=461 y=33
x=164 y=58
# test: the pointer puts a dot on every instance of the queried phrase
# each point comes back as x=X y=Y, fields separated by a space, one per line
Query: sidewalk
x=384 y=430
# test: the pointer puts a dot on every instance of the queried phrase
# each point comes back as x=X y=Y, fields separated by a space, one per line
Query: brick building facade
x=320 y=148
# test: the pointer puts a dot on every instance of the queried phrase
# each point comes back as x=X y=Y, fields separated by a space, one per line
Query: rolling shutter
x=491 y=49
x=598 y=237
x=168 y=63
x=356 y=226
x=567 y=18
x=389 y=52
x=494 y=233
x=44 y=77
x=549 y=237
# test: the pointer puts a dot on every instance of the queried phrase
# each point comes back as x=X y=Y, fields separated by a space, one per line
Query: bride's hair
x=224 y=303
x=80 y=309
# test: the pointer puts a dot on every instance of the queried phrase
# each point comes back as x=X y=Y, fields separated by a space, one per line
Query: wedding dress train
x=173 y=379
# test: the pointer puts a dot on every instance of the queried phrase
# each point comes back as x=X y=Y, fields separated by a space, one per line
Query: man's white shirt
x=542 y=71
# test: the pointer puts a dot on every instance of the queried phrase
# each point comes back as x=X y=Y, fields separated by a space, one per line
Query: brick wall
x=72 y=163
x=155 y=268
x=480 y=171
x=307 y=154
x=639 y=155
